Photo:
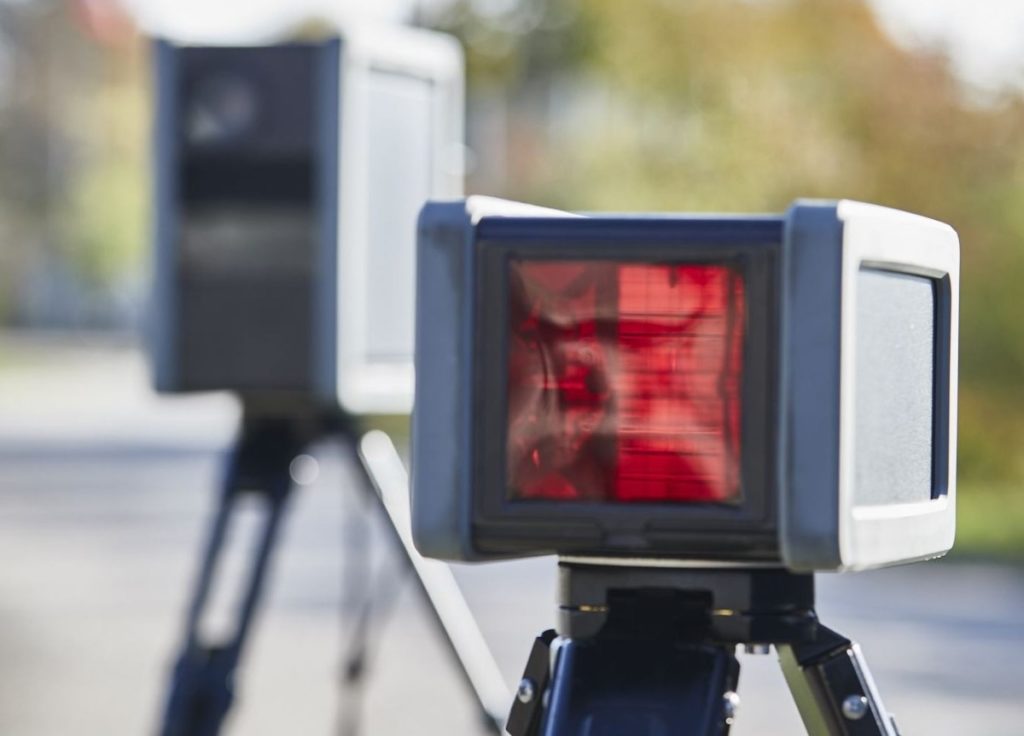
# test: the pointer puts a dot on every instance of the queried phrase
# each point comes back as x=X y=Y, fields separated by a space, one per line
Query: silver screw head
x=730 y=705
x=526 y=691
x=855 y=707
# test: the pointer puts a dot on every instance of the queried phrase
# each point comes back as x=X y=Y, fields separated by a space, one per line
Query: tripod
x=203 y=680
x=650 y=652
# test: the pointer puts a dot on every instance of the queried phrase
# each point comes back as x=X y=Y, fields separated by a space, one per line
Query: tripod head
x=651 y=651
x=721 y=606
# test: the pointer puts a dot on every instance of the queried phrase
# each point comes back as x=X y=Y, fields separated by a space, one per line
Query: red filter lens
x=624 y=381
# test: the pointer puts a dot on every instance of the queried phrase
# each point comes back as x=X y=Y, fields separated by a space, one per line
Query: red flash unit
x=624 y=382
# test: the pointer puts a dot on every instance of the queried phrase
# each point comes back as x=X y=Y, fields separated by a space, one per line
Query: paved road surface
x=103 y=492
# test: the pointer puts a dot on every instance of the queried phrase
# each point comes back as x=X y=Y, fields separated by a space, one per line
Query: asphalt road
x=104 y=490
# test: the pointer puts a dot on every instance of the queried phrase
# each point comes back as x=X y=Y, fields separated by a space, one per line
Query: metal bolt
x=730 y=705
x=526 y=691
x=855 y=707
x=757 y=648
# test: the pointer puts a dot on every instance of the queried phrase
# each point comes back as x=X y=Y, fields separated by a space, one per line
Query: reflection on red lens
x=624 y=381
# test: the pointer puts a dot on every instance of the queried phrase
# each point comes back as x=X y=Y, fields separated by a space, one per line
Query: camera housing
x=685 y=390
x=288 y=178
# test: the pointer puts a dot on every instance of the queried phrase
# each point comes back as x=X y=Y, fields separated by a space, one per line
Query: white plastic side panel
x=821 y=526
x=890 y=240
x=401 y=132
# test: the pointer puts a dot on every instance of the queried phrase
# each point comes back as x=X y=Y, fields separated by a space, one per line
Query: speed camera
x=756 y=390
x=288 y=179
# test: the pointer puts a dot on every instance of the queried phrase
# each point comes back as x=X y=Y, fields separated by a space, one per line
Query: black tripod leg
x=528 y=707
x=833 y=688
x=608 y=686
x=202 y=686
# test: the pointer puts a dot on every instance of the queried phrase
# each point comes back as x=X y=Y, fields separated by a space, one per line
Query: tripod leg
x=386 y=472
x=833 y=688
x=202 y=686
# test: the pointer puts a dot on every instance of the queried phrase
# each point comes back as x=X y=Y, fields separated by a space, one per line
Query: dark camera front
x=625 y=385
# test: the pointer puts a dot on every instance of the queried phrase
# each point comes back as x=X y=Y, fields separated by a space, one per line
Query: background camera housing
x=848 y=388
x=288 y=178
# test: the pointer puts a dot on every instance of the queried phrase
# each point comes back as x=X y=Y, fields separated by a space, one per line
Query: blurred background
x=657 y=105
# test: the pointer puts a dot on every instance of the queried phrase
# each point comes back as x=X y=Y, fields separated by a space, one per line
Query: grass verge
x=990 y=522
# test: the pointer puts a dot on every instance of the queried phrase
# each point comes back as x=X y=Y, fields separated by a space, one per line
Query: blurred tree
x=30 y=150
x=106 y=211
x=745 y=105
x=72 y=159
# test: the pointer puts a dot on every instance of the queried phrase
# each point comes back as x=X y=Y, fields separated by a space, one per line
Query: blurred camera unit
x=288 y=178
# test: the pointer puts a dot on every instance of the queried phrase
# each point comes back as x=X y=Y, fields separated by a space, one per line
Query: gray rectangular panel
x=401 y=142
x=244 y=278
x=244 y=215
x=894 y=388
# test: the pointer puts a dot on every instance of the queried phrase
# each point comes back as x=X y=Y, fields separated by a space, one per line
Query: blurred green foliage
x=73 y=152
x=733 y=105
x=105 y=215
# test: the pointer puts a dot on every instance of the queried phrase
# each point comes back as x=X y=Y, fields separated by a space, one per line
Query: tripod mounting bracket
x=645 y=650
x=723 y=606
